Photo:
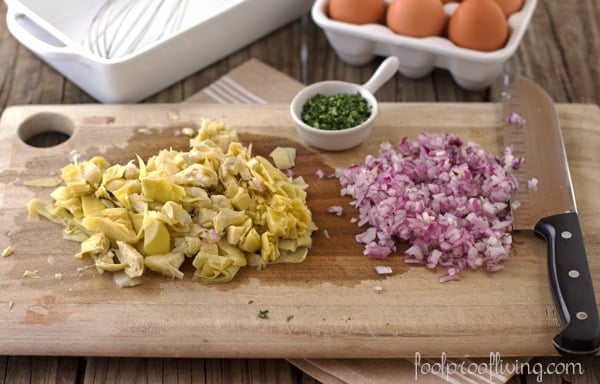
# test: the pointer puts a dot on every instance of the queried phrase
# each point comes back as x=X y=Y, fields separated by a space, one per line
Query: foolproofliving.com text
x=493 y=368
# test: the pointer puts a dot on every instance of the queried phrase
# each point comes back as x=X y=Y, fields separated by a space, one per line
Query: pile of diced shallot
x=448 y=200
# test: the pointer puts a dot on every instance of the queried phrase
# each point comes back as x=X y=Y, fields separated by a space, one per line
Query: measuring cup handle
x=384 y=72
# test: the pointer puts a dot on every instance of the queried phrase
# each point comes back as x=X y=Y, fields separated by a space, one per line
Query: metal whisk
x=120 y=27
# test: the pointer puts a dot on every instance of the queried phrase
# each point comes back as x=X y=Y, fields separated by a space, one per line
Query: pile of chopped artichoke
x=216 y=204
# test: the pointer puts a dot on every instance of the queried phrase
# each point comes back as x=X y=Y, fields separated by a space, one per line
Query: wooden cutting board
x=325 y=307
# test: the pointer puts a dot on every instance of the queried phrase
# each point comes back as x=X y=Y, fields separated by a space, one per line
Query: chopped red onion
x=532 y=184
x=511 y=162
x=336 y=210
x=516 y=119
x=447 y=199
x=383 y=270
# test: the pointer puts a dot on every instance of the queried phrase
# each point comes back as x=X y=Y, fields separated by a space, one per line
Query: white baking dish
x=211 y=29
x=472 y=70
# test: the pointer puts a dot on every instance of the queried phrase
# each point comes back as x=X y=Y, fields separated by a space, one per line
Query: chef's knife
x=532 y=129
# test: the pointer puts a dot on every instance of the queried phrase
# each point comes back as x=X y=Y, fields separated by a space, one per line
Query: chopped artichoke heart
x=197 y=175
x=37 y=208
x=97 y=244
x=161 y=190
x=189 y=245
x=99 y=162
x=264 y=174
x=75 y=234
x=8 y=251
x=175 y=215
x=251 y=242
x=234 y=233
x=242 y=200
x=293 y=191
x=277 y=221
x=235 y=166
x=269 y=249
x=131 y=171
x=218 y=263
x=165 y=163
x=205 y=217
x=112 y=173
x=44 y=182
x=287 y=245
x=296 y=256
x=216 y=204
x=157 y=239
x=106 y=262
x=81 y=178
x=127 y=189
x=220 y=201
x=114 y=231
x=167 y=264
x=218 y=133
x=92 y=206
x=304 y=241
x=234 y=253
x=78 y=188
x=226 y=217
x=118 y=215
x=127 y=254
x=284 y=157
x=121 y=280
x=137 y=203
x=61 y=193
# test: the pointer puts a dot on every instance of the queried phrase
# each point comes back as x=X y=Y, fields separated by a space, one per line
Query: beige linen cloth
x=254 y=82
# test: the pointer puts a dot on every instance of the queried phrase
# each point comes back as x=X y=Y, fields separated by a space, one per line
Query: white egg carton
x=56 y=31
x=471 y=69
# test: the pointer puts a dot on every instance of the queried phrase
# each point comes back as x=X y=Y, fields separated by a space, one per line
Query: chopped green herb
x=336 y=112
x=250 y=301
x=263 y=313
x=289 y=318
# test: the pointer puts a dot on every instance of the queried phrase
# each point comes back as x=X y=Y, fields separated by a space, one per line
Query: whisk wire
x=120 y=27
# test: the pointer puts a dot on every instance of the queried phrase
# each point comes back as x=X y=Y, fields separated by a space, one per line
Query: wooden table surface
x=560 y=51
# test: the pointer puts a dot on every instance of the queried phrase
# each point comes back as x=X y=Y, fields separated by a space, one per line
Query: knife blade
x=531 y=127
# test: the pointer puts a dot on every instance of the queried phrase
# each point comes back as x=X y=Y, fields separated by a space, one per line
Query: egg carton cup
x=471 y=69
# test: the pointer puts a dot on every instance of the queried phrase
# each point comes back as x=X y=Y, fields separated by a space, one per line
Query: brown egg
x=357 y=11
x=417 y=18
x=510 y=6
x=479 y=25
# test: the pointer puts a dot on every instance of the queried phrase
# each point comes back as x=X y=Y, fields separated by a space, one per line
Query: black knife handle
x=572 y=286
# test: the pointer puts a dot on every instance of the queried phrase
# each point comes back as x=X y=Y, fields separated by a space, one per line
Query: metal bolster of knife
x=572 y=283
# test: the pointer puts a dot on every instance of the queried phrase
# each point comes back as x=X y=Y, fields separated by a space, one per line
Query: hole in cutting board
x=45 y=129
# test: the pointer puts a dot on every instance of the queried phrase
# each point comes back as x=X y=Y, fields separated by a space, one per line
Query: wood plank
x=479 y=314
x=93 y=370
x=557 y=46
x=188 y=371
x=42 y=370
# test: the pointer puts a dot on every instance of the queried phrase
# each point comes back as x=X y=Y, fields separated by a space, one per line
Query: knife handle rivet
x=566 y=235
x=573 y=274
x=581 y=315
